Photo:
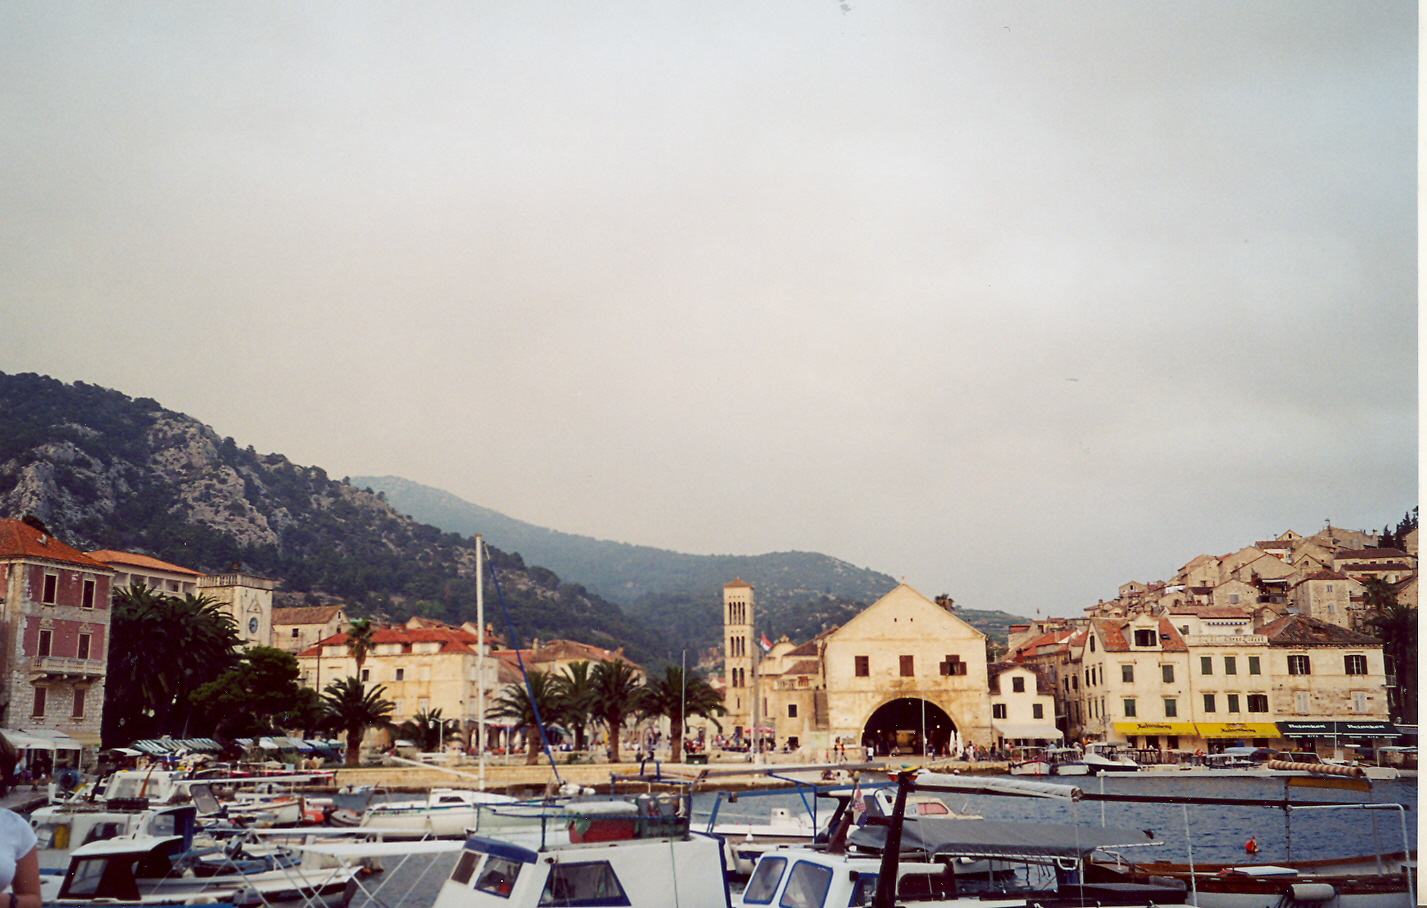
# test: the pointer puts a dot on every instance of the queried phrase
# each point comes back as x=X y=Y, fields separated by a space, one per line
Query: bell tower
x=739 y=651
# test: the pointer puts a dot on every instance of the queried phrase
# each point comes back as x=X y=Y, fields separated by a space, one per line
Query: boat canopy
x=947 y=837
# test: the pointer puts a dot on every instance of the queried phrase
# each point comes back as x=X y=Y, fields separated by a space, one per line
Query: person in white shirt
x=19 y=862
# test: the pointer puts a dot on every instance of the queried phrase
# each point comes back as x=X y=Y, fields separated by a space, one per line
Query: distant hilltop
x=622 y=572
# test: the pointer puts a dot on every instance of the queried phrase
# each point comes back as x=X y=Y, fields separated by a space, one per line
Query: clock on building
x=252 y=625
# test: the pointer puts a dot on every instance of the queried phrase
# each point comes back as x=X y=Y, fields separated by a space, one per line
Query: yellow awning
x=1155 y=728
x=1238 y=729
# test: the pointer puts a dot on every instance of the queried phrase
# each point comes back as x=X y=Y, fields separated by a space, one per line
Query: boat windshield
x=765 y=880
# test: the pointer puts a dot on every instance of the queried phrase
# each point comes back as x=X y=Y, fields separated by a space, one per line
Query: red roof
x=112 y=557
x=452 y=639
x=20 y=540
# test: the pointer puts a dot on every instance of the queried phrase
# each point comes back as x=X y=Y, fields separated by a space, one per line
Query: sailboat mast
x=480 y=661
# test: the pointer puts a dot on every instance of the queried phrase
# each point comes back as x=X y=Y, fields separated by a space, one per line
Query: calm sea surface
x=1213 y=833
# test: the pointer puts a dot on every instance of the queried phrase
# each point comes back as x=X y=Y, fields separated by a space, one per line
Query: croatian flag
x=764 y=643
x=859 y=805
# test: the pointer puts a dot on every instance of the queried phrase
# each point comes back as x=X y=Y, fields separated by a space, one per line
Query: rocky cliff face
x=103 y=470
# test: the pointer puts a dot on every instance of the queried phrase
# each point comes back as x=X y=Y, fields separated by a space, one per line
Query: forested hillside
x=799 y=594
x=104 y=470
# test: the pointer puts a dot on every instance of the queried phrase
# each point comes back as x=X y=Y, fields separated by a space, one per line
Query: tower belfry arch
x=739 y=651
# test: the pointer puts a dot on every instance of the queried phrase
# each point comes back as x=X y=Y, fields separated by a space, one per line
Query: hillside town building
x=131 y=569
x=421 y=667
x=54 y=639
x=1262 y=646
x=248 y=599
x=903 y=675
x=298 y=628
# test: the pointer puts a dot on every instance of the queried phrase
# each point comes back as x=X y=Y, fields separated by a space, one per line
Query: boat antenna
x=524 y=675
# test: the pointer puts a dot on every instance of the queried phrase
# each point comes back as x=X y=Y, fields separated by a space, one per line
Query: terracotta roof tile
x=305 y=614
x=112 y=557
x=1302 y=631
x=1373 y=553
x=737 y=583
x=803 y=667
x=20 y=540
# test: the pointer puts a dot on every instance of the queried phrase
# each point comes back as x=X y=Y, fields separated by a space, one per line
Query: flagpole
x=480 y=663
x=757 y=734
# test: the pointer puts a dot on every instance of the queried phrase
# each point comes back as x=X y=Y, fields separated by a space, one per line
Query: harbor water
x=1205 y=833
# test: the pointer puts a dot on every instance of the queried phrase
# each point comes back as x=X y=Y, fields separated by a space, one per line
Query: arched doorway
x=908 y=725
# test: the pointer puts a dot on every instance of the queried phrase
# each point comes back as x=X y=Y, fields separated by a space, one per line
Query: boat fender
x=1311 y=892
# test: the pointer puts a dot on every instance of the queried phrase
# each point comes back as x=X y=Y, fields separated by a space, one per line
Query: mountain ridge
x=798 y=594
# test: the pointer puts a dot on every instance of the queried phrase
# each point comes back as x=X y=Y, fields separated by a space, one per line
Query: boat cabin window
x=101 y=878
x=807 y=886
x=764 y=881
x=498 y=876
x=863 y=890
x=583 y=884
x=465 y=866
x=932 y=809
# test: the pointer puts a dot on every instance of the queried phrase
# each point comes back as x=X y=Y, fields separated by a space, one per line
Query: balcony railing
x=1226 y=640
x=61 y=666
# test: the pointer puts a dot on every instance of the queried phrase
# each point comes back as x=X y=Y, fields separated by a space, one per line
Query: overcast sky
x=1015 y=301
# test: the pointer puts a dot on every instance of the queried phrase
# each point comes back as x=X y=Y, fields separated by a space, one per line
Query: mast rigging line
x=524 y=675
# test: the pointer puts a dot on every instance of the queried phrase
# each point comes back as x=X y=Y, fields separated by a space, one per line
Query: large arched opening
x=908 y=725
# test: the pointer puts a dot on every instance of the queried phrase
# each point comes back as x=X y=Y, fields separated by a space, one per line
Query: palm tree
x=576 y=687
x=514 y=704
x=1396 y=627
x=425 y=728
x=352 y=709
x=615 y=688
x=677 y=695
x=162 y=649
x=359 y=641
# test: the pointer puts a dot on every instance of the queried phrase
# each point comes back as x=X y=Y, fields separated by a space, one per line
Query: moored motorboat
x=638 y=853
x=154 y=870
x=445 y=813
x=1370 y=881
x=1107 y=757
x=1066 y=761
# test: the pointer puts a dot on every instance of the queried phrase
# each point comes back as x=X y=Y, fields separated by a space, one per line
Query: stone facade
x=299 y=628
x=248 y=599
x=740 y=650
x=902 y=675
x=54 y=634
x=420 y=669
